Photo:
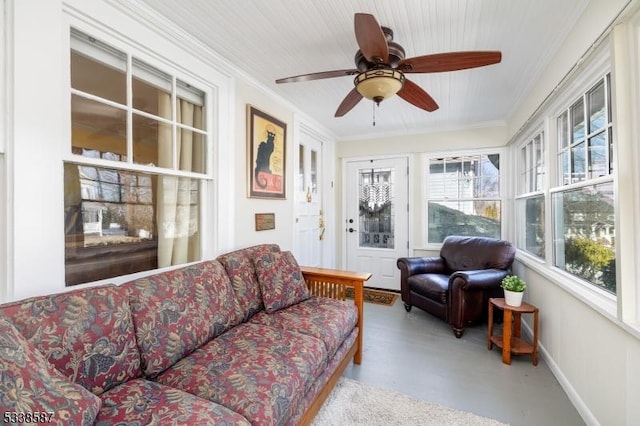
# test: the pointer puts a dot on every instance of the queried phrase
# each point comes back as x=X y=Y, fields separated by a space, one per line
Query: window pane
x=189 y=95
x=98 y=130
x=119 y=222
x=539 y=164
x=598 y=165
x=530 y=223
x=148 y=136
x=470 y=218
x=578 y=162
x=563 y=130
x=577 y=121
x=151 y=90
x=107 y=80
x=584 y=237
x=597 y=116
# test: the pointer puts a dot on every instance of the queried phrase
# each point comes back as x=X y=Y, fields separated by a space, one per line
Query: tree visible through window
x=584 y=213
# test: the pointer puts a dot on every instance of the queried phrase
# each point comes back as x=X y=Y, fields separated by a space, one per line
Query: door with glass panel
x=309 y=226
x=376 y=226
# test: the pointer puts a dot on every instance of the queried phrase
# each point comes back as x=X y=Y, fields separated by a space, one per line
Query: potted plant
x=513 y=290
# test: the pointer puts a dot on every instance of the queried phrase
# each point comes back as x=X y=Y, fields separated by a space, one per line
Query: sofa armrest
x=333 y=283
x=484 y=279
x=421 y=265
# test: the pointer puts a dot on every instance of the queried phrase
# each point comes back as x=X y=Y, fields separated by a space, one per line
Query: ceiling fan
x=381 y=65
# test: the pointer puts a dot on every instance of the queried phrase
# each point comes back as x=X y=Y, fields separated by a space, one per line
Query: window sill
x=599 y=300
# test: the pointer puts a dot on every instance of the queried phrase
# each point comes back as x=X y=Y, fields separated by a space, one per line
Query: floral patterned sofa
x=248 y=338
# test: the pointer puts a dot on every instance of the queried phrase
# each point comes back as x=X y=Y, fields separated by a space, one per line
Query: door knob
x=352 y=230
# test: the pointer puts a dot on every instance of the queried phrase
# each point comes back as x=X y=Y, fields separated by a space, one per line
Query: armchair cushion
x=433 y=286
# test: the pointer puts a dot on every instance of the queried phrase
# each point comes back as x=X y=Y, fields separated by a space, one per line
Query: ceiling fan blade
x=371 y=39
x=413 y=94
x=318 y=76
x=451 y=61
x=349 y=102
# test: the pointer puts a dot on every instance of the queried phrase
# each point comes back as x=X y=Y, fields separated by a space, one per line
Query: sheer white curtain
x=177 y=209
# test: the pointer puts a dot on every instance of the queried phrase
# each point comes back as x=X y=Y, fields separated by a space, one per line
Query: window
x=583 y=201
x=463 y=196
x=137 y=163
x=530 y=198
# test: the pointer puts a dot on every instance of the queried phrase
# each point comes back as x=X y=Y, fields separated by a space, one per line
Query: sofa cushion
x=142 y=402
x=29 y=384
x=329 y=320
x=258 y=371
x=239 y=266
x=281 y=281
x=177 y=311
x=87 y=334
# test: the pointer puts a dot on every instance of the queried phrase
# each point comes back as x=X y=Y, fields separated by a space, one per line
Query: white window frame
x=208 y=206
x=592 y=71
x=522 y=193
x=426 y=157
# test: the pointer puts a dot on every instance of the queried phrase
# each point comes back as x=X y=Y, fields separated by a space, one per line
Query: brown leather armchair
x=457 y=285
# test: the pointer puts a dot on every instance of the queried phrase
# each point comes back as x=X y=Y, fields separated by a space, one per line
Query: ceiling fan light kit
x=381 y=66
x=379 y=84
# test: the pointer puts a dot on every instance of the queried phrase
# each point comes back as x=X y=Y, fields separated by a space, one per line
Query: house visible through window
x=138 y=159
x=583 y=201
x=463 y=195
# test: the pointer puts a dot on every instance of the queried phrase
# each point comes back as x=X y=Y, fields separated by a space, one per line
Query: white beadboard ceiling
x=275 y=39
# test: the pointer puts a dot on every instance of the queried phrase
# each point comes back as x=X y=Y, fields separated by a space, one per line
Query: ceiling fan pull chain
x=374 y=113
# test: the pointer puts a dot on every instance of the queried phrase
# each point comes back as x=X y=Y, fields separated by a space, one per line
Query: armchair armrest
x=332 y=283
x=421 y=265
x=484 y=279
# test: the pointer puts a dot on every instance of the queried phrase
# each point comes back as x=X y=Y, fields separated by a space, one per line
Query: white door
x=377 y=231
x=309 y=226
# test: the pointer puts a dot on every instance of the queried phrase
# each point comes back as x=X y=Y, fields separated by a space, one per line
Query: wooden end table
x=510 y=342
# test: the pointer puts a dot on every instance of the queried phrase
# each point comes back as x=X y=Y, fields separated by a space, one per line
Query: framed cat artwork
x=266 y=138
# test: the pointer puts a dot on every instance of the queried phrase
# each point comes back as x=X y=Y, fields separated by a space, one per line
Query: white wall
x=246 y=208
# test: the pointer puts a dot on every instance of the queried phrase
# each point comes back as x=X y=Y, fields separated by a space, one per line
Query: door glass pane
x=300 y=183
x=376 y=212
x=314 y=171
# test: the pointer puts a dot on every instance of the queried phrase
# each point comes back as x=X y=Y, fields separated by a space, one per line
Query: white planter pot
x=513 y=298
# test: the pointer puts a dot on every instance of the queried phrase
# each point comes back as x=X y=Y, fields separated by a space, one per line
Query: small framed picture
x=265 y=221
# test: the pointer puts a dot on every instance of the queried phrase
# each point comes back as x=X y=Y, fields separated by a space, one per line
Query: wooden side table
x=510 y=342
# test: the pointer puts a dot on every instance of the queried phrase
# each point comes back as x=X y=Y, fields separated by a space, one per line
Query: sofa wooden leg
x=458 y=332
x=407 y=307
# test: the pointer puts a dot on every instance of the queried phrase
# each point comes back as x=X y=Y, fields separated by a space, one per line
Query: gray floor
x=417 y=354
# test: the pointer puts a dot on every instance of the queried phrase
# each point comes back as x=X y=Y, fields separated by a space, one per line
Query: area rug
x=381 y=297
x=353 y=403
